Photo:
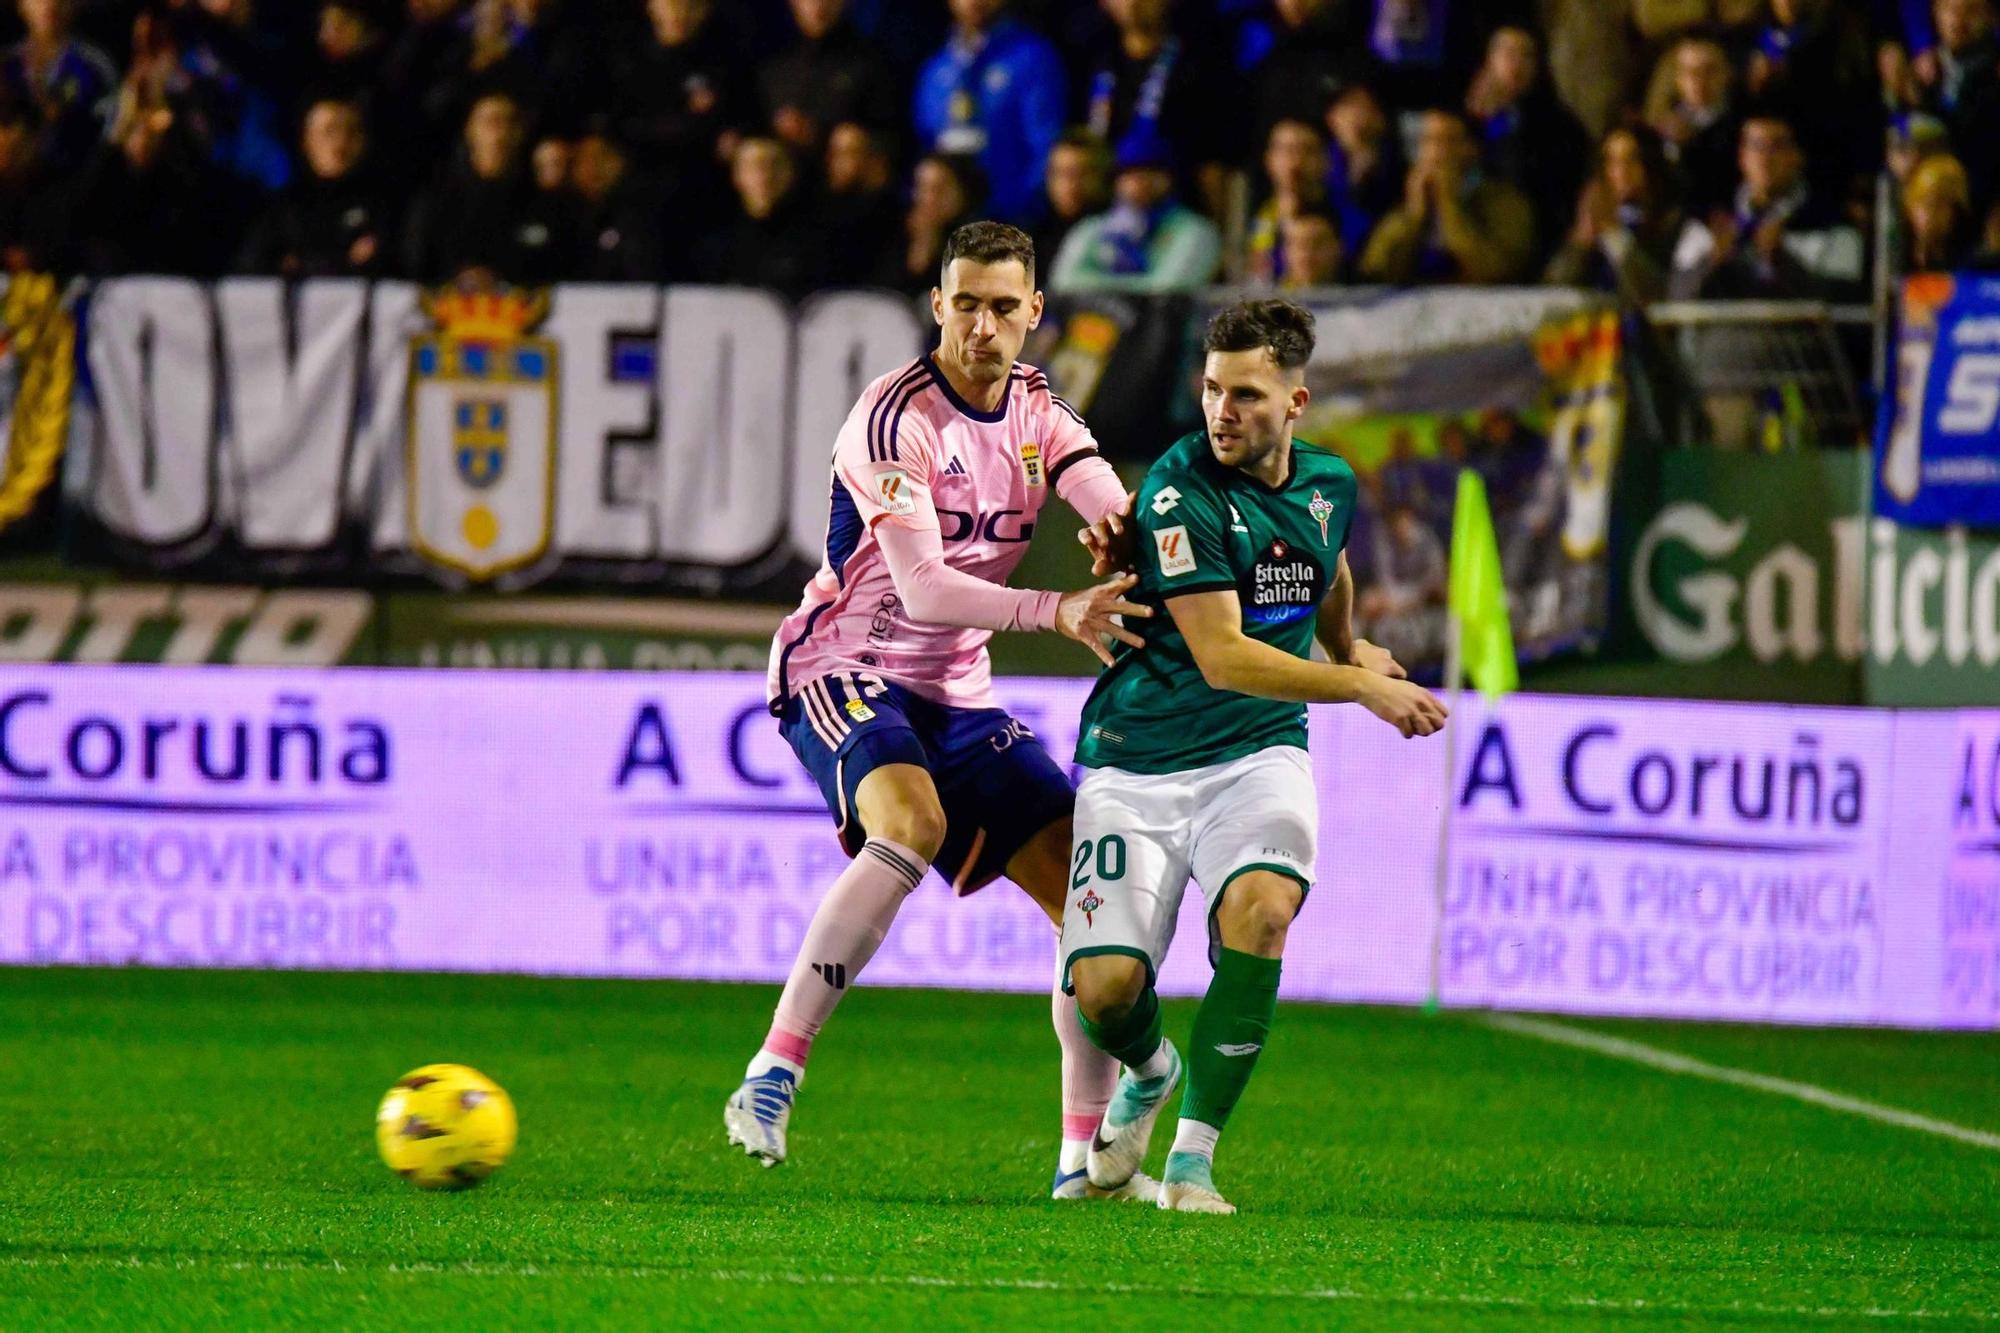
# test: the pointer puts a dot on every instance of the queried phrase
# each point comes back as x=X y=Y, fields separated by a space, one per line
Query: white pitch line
x=1675 y=1063
x=782 y=1278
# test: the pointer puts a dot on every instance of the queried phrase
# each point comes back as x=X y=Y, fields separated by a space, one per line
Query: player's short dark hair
x=990 y=243
x=1282 y=328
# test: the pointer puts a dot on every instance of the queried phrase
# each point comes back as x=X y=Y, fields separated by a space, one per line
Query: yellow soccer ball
x=445 y=1127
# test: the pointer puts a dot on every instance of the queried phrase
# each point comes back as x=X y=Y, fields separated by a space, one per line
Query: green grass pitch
x=186 y=1150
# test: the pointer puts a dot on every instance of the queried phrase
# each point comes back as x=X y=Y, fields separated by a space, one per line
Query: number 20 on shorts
x=1110 y=860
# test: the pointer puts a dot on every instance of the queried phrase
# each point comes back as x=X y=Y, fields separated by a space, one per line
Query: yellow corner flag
x=1478 y=596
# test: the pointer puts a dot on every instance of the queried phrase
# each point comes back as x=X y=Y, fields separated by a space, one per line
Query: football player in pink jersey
x=881 y=682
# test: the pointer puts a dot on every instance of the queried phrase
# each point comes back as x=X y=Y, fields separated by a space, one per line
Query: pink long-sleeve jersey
x=913 y=453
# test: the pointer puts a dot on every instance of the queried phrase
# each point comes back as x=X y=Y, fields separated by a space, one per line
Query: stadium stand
x=529 y=141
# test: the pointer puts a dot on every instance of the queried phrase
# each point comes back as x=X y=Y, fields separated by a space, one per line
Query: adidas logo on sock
x=835 y=975
x=1239 y=1048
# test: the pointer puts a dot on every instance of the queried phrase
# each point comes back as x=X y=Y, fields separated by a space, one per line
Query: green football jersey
x=1204 y=527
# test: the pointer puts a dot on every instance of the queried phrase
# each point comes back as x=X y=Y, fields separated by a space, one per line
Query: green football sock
x=1135 y=1038
x=1229 y=1031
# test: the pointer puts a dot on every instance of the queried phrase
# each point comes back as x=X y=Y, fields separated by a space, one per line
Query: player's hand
x=1109 y=540
x=1085 y=615
x=1370 y=657
x=1410 y=709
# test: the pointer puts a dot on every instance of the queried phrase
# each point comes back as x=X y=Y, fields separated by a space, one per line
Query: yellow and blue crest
x=480 y=463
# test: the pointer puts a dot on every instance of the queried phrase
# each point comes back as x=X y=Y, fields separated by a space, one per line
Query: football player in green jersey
x=1197 y=744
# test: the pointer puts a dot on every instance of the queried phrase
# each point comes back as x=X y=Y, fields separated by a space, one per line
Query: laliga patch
x=892 y=488
x=1176 y=551
x=1031 y=463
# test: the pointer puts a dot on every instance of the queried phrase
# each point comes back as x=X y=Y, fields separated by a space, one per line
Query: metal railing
x=1770 y=375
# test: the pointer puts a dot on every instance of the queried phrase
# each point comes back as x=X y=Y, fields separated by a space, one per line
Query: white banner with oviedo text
x=1724 y=861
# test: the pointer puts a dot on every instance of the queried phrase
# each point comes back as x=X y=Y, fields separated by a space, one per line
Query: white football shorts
x=1140 y=837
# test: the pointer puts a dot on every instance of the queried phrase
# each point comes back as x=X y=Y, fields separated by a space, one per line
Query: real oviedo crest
x=481 y=455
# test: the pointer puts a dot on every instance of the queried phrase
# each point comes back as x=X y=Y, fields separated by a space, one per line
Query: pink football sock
x=1089 y=1076
x=848 y=927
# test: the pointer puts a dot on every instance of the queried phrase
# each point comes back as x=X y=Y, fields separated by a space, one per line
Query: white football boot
x=1189 y=1186
x=1072 y=1185
x=1119 y=1144
x=758 y=1112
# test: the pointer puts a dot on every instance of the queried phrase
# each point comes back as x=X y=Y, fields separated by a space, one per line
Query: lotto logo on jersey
x=1176 y=552
x=1031 y=463
x=893 y=489
x=1166 y=500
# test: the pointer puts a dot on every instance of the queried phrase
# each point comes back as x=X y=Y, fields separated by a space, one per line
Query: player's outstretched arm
x=1335 y=630
x=1212 y=624
x=936 y=594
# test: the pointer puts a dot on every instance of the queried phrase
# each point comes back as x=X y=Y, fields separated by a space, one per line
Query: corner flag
x=1478 y=597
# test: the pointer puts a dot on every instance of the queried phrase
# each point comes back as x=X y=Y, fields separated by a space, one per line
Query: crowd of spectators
x=1148 y=145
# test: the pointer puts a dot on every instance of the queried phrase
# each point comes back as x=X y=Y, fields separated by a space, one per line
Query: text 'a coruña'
x=1600 y=775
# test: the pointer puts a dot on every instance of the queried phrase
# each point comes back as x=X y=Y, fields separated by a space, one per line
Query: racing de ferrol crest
x=481 y=453
x=1321 y=509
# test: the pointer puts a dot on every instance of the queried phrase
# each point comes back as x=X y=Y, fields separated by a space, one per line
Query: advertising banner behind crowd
x=1938 y=441
x=1608 y=857
x=1763 y=577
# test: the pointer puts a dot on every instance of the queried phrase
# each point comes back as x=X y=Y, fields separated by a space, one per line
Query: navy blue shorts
x=998 y=786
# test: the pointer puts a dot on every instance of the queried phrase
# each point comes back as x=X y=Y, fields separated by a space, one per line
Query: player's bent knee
x=1258 y=912
x=1107 y=985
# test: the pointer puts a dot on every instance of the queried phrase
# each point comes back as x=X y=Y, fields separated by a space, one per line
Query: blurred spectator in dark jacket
x=484 y=222
x=1295 y=172
x=1365 y=165
x=995 y=93
x=348 y=48
x=218 y=77
x=1454 y=225
x=333 y=221
x=1959 y=81
x=1700 y=125
x=1814 y=64
x=774 y=240
x=1964 y=64
x=1317 y=47
x=864 y=217
x=1531 y=141
x=1778 y=240
x=831 y=74
x=1075 y=184
x=618 y=214
x=150 y=202
x=1627 y=222
x=680 y=103
x=1422 y=47
x=72 y=85
x=536 y=51
x=1939 y=228
x=35 y=205
x=945 y=193
x=414 y=120
x=1152 y=79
